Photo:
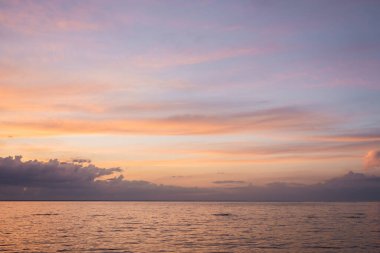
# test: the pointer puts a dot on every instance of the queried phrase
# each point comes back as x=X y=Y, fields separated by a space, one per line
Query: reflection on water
x=188 y=227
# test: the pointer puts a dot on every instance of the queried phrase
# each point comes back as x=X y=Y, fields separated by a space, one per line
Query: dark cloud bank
x=55 y=180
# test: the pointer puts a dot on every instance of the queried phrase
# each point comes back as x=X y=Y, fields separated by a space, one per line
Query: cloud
x=55 y=180
x=289 y=148
x=28 y=17
x=350 y=187
x=189 y=58
x=81 y=160
x=370 y=134
x=271 y=119
x=229 y=182
x=13 y=171
x=372 y=159
x=297 y=149
x=48 y=91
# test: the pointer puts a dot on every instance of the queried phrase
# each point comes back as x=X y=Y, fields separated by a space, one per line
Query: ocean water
x=189 y=227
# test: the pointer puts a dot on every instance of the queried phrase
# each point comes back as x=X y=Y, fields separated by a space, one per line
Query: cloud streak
x=283 y=118
x=190 y=58
x=27 y=17
x=300 y=148
x=229 y=182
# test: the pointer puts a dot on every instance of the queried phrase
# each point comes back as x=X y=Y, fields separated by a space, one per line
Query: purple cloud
x=54 y=180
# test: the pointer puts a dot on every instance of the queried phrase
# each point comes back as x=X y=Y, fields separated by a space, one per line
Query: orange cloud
x=290 y=148
x=198 y=164
x=287 y=118
x=46 y=91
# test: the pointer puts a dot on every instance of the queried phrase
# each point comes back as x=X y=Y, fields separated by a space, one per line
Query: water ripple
x=188 y=227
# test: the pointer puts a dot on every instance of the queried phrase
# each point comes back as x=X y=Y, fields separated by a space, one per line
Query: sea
x=189 y=227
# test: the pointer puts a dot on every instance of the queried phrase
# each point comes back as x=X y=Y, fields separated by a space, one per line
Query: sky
x=207 y=94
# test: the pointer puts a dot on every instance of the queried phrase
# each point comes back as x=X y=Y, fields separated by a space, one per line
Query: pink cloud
x=190 y=57
x=372 y=160
x=29 y=17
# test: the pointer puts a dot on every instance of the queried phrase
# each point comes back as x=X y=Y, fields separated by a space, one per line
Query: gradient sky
x=190 y=93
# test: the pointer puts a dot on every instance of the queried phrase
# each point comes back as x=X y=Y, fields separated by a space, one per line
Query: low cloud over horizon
x=56 y=180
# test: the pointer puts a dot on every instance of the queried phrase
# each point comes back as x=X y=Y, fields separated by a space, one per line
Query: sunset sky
x=194 y=93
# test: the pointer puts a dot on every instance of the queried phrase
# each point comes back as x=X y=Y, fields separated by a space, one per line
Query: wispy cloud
x=284 y=118
x=364 y=134
x=50 y=90
x=189 y=57
x=28 y=17
x=299 y=148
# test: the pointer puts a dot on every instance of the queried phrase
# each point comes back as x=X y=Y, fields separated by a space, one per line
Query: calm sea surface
x=189 y=227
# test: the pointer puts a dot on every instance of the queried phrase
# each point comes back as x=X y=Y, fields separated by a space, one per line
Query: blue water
x=189 y=227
